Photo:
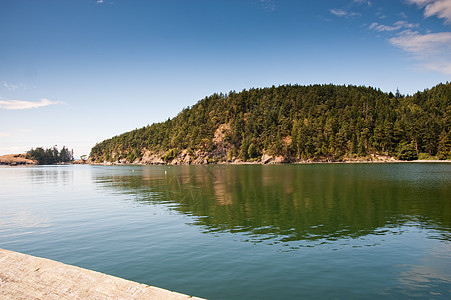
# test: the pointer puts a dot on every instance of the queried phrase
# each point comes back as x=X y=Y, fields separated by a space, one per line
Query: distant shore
x=16 y=160
x=21 y=160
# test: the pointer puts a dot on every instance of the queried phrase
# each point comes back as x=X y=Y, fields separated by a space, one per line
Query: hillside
x=293 y=123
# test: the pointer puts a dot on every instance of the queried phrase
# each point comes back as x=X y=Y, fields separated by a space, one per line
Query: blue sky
x=75 y=72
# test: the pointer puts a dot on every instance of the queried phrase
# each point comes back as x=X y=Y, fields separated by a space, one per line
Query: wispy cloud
x=440 y=8
x=19 y=104
x=432 y=50
x=343 y=13
x=380 y=15
x=269 y=5
x=403 y=15
x=348 y=10
x=396 y=26
x=11 y=86
x=338 y=12
x=100 y=1
x=366 y=2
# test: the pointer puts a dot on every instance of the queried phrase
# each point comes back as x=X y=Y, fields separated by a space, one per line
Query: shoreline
x=282 y=163
x=14 y=160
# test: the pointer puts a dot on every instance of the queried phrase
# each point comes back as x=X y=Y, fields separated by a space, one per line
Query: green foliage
x=230 y=154
x=423 y=156
x=444 y=146
x=407 y=152
x=252 y=151
x=170 y=155
x=51 y=155
x=298 y=122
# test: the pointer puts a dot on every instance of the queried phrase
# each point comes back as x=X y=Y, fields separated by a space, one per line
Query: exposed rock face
x=16 y=159
x=266 y=159
x=218 y=156
x=80 y=162
x=150 y=158
x=221 y=133
x=222 y=152
x=280 y=160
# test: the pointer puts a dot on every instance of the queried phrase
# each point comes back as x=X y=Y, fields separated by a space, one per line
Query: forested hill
x=293 y=123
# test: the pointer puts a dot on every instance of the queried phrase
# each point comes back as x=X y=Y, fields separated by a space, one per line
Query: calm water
x=241 y=232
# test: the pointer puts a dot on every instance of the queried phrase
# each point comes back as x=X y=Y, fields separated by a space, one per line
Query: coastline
x=16 y=160
x=20 y=160
x=273 y=163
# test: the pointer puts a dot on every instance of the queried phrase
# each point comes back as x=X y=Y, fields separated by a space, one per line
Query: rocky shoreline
x=16 y=160
x=21 y=160
x=185 y=159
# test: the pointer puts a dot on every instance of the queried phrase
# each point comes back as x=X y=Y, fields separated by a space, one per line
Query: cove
x=241 y=231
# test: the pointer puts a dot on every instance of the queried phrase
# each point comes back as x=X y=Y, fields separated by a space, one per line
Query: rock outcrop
x=16 y=159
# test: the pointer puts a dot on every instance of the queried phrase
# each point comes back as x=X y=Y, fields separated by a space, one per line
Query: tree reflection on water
x=297 y=202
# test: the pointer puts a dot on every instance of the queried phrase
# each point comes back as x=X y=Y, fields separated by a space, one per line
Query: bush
x=252 y=151
x=423 y=156
x=407 y=152
x=170 y=155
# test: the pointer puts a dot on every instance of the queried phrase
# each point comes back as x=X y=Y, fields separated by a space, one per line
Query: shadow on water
x=296 y=202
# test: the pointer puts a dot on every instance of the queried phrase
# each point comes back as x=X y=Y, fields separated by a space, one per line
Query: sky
x=76 y=72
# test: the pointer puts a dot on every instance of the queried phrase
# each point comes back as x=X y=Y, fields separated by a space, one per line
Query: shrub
x=170 y=155
x=407 y=152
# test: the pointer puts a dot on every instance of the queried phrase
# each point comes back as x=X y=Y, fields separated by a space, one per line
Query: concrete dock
x=24 y=276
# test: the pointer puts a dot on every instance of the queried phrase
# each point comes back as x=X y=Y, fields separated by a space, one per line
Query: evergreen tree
x=316 y=122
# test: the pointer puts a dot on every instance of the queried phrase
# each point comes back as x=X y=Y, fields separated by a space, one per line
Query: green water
x=341 y=231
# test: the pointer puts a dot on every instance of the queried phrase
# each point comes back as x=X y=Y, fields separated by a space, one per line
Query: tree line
x=51 y=156
x=315 y=122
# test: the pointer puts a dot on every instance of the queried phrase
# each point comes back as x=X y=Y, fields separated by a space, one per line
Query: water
x=318 y=231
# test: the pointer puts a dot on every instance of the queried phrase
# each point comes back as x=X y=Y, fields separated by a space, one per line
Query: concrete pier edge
x=23 y=276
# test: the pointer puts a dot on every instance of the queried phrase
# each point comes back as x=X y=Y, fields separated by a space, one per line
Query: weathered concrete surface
x=27 y=277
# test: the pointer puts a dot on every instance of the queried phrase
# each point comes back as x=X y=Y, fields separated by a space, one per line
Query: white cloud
x=338 y=12
x=343 y=13
x=268 y=4
x=100 y=1
x=440 y=8
x=432 y=50
x=380 y=15
x=396 y=26
x=11 y=86
x=424 y=44
x=19 y=104
x=363 y=2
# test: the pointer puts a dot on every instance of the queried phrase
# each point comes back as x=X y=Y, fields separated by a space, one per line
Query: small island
x=39 y=156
